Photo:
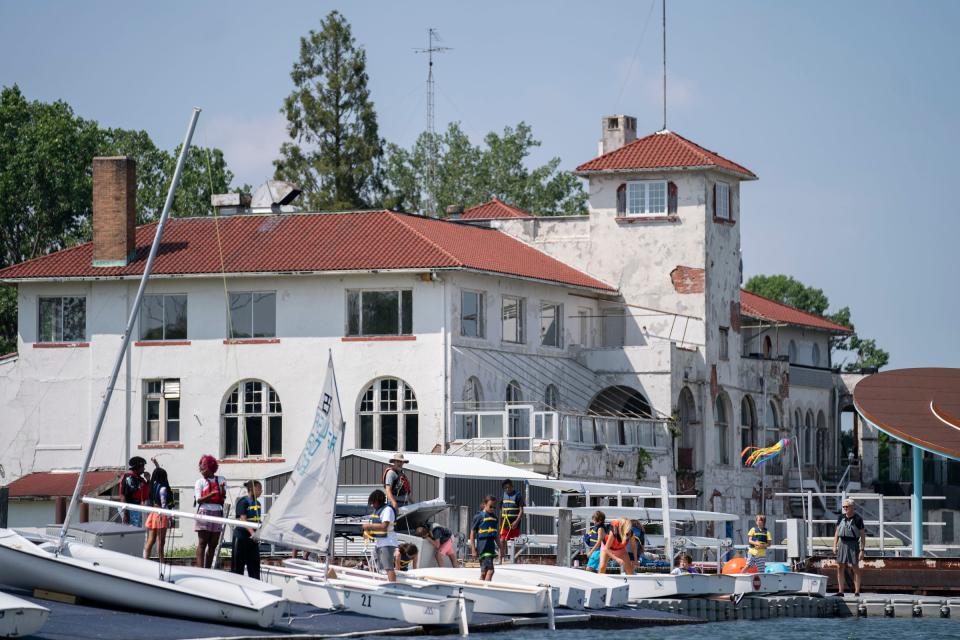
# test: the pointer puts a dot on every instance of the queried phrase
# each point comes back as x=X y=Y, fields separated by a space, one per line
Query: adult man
x=511 y=510
x=396 y=485
x=849 y=542
x=134 y=489
x=380 y=528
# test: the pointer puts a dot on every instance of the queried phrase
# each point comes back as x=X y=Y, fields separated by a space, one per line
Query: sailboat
x=67 y=566
x=303 y=517
x=19 y=618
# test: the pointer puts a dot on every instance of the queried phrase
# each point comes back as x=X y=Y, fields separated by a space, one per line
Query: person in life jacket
x=134 y=489
x=246 y=550
x=593 y=539
x=639 y=540
x=380 y=530
x=209 y=493
x=483 y=536
x=161 y=495
x=396 y=485
x=849 y=543
x=511 y=510
x=759 y=538
x=405 y=557
x=616 y=546
x=685 y=565
x=442 y=540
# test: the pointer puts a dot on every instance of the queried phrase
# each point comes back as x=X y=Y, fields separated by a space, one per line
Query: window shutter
x=671 y=199
x=714 y=199
x=622 y=199
x=730 y=203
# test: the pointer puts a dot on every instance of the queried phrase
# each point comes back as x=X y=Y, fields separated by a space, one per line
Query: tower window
x=721 y=205
x=613 y=123
x=648 y=197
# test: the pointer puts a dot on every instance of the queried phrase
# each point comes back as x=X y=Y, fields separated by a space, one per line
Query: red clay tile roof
x=43 y=484
x=662 y=150
x=493 y=209
x=765 y=309
x=355 y=241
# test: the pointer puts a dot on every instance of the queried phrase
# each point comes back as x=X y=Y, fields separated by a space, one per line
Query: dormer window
x=647 y=197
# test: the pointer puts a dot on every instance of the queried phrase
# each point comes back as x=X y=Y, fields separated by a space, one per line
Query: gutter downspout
x=447 y=409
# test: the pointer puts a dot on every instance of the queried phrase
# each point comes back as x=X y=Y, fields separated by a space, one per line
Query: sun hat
x=398 y=457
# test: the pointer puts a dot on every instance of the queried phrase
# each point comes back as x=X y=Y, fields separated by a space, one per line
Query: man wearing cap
x=134 y=489
x=395 y=483
x=849 y=543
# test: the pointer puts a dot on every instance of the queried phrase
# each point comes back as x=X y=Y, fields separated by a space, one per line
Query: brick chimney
x=114 y=211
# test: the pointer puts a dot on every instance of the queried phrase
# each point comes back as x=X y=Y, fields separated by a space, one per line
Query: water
x=777 y=629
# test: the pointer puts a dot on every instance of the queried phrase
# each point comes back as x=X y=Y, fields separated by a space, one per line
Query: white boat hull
x=755 y=583
x=385 y=602
x=572 y=596
x=20 y=617
x=648 y=586
x=109 y=577
x=617 y=593
x=810 y=584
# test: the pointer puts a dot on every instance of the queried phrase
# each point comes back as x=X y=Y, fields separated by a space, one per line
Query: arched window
x=466 y=424
x=551 y=397
x=767 y=347
x=821 y=439
x=748 y=423
x=687 y=410
x=388 y=417
x=472 y=394
x=620 y=401
x=514 y=393
x=252 y=421
x=815 y=354
x=772 y=425
x=808 y=438
x=792 y=352
x=721 y=420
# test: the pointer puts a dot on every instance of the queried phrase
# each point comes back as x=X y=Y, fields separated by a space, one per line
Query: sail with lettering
x=302 y=515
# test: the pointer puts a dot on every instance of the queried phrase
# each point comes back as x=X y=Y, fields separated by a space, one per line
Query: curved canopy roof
x=918 y=406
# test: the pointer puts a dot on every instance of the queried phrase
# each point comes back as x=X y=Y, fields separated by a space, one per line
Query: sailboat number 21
x=366 y=600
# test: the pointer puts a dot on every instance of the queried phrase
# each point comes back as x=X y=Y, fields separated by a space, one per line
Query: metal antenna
x=432 y=36
x=664 y=7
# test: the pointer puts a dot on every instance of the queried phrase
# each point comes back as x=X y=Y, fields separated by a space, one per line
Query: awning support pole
x=917 y=502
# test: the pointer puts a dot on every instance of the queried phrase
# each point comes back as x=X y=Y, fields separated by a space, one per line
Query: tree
x=335 y=150
x=468 y=174
x=788 y=290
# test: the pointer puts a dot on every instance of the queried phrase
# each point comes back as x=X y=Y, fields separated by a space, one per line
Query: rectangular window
x=648 y=197
x=164 y=317
x=380 y=313
x=722 y=203
x=63 y=319
x=583 y=319
x=512 y=319
x=471 y=314
x=253 y=314
x=161 y=411
x=724 y=343
x=551 y=324
x=612 y=327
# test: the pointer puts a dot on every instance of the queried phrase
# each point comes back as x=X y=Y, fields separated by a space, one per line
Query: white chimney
x=617 y=131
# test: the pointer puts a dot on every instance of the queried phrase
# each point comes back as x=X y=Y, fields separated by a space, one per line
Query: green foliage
x=8 y=319
x=644 y=460
x=335 y=150
x=790 y=291
x=468 y=174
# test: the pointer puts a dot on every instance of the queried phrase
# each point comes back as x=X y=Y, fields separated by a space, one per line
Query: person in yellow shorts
x=759 y=538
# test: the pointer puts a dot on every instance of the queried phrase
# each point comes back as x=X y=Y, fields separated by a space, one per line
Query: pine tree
x=335 y=150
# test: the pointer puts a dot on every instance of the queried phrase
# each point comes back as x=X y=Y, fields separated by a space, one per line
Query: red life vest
x=213 y=491
x=400 y=486
x=139 y=495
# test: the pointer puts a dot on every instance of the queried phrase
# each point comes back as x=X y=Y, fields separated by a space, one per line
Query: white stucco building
x=616 y=345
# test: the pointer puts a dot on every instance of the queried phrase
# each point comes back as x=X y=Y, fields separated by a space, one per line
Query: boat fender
x=888 y=610
x=944 y=611
x=917 y=611
x=862 y=610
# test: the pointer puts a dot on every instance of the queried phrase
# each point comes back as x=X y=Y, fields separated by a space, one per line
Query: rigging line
x=636 y=53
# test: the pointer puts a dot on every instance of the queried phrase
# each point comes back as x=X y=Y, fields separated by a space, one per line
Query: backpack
x=400 y=486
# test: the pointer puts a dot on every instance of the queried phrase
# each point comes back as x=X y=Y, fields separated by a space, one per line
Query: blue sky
x=846 y=111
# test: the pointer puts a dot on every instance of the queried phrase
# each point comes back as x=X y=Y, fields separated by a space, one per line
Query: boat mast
x=342 y=429
x=131 y=323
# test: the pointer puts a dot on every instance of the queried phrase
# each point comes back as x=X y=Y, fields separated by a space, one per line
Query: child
x=639 y=539
x=685 y=566
x=405 y=556
x=759 y=539
x=209 y=493
x=511 y=510
x=483 y=537
x=246 y=550
x=442 y=541
x=161 y=495
x=615 y=546
x=593 y=539
x=380 y=529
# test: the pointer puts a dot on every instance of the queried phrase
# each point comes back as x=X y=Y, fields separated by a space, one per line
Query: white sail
x=302 y=515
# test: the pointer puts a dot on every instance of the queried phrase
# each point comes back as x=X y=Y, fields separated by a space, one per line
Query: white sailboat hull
x=572 y=595
x=20 y=617
x=648 y=586
x=121 y=580
x=380 y=601
x=617 y=593
x=810 y=584
x=487 y=597
x=755 y=583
